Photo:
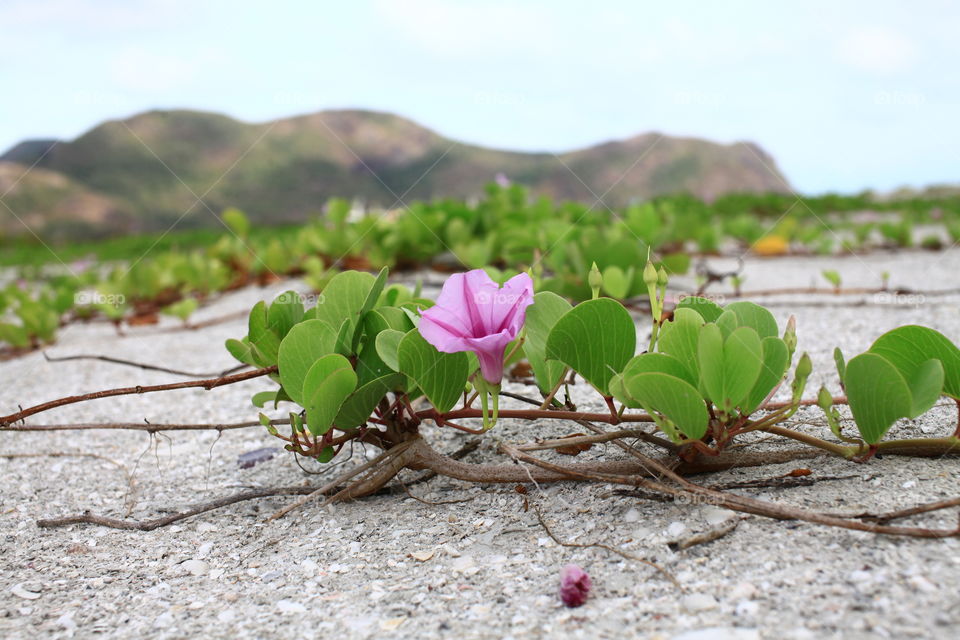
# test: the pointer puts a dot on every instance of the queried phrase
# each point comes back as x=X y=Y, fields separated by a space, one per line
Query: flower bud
x=574 y=585
x=662 y=278
x=790 y=335
x=595 y=280
x=824 y=399
x=650 y=276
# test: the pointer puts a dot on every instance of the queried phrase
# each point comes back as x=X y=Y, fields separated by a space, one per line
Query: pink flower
x=474 y=314
x=574 y=585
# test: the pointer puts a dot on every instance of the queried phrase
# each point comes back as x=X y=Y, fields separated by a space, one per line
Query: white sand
x=347 y=572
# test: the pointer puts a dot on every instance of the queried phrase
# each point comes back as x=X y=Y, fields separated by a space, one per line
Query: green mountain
x=148 y=171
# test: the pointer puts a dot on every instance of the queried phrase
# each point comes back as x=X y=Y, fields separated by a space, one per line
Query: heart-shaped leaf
x=328 y=383
x=658 y=363
x=729 y=368
x=616 y=282
x=680 y=337
x=358 y=407
x=596 y=339
x=708 y=309
x=909 y=346
x=546 y=309
x=387 y=343
x=343 y=299
x=285 y=311
x=879 y=394
x=441 y=376
x=677 y=400
x=776 y=359
x=304 y=345
x=754 y=316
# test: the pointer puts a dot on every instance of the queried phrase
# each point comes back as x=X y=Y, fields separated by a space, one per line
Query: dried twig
x=606 y=547
x=705 y=536
x=149 y=525
x=207 y=384
x=142 y=365
x=333 y=484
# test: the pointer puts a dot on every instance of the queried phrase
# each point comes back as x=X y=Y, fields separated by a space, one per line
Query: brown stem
x=142 y=365
x=141 y=426
x=533 y=414
x=126 y=391
x=150 y=525
x=733 y=501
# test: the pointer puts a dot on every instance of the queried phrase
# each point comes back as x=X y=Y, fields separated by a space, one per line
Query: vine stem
x=207 y=384
x=731 y=501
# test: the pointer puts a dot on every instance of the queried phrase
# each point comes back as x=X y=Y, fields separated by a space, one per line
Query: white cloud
x=878 y=50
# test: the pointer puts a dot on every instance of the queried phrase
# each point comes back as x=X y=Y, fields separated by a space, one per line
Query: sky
x=845 y=95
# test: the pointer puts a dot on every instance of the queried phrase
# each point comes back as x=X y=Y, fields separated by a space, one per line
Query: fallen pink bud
x=574 y=585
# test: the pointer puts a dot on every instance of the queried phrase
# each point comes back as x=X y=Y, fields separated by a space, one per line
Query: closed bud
x=650 y=276
x=824 y=399
x=595 y=280
x=662 y=277
x=804 y=367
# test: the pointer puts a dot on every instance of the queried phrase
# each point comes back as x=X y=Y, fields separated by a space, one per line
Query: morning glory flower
x=574 y=585
x=475 y=314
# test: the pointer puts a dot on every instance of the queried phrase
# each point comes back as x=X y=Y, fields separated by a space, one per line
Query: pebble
x=195 y=567
x=747 y=608
x=22 y=592
x=715 y=515
x=289 y=606
x=743 y=591
x=632 y=515
x=696 y=602
x=675 y=529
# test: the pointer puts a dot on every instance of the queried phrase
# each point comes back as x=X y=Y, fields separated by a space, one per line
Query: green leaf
x=728 y=323
x=264 y=343
x=441 y=376
x=262 y=398
x=328 y=383
x=672 y=397
x=387 y=344
x=729 y=368
x=343 y=298
x=879 y=394
x=658 y=363
x=361 y=403
x=776 y=359
x=596 y=339
x=676 y=263
x=909 y=346
x=304 y=345
x=839 y=361
x=679 y=338
x=708 y=309
x=616 y=283
x=240 y=349
x=285 y=311
x=546 y=309
x=756 y=317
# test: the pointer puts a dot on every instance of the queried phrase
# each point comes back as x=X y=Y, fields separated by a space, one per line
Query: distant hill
x=145 y=172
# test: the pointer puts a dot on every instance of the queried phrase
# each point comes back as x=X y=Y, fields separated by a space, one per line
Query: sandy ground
x=394 y=567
